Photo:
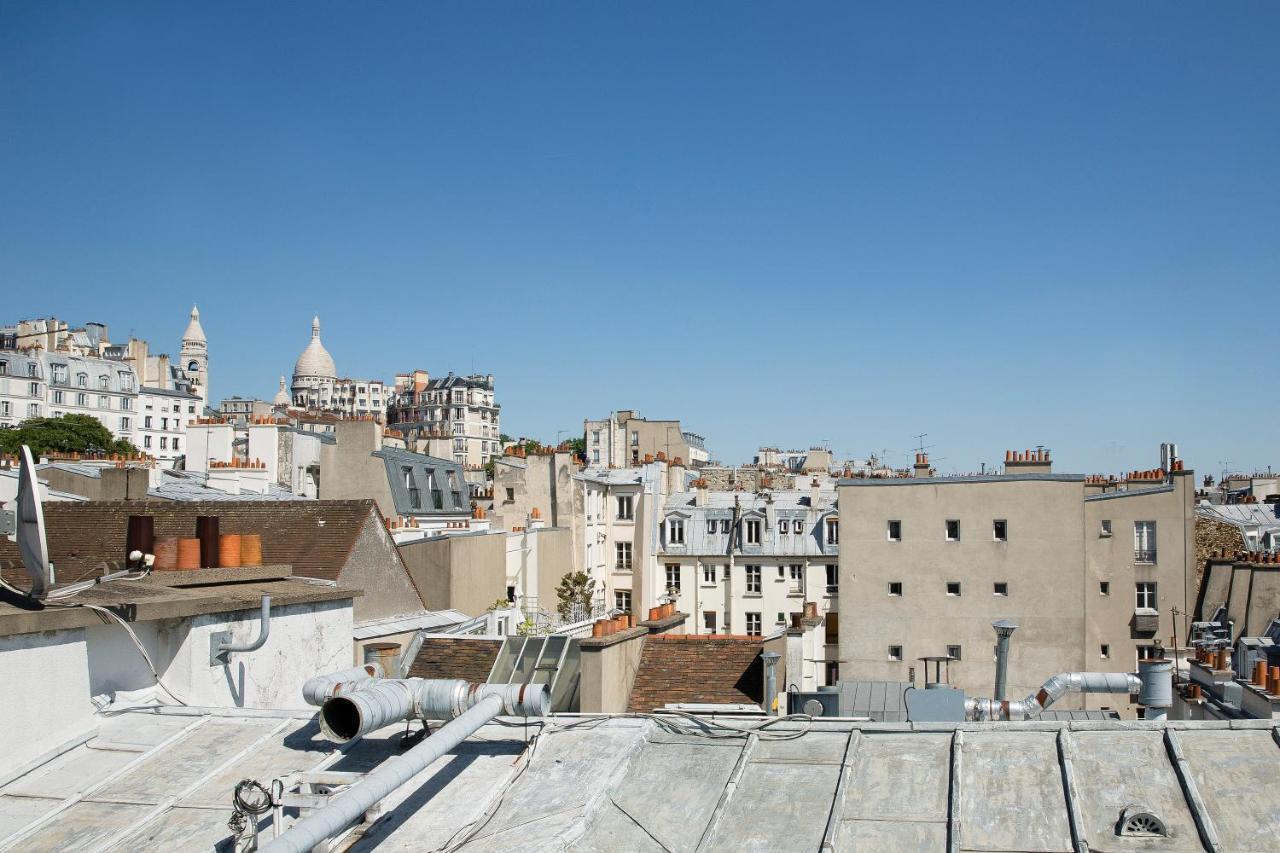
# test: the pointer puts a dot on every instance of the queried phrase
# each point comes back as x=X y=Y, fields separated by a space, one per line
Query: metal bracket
x=221 y=647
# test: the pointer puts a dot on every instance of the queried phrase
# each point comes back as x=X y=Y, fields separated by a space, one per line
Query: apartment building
x=746 y=563
x=1090 y=569
x=84 y=385
x=462 y=407
x=163 y=416
x=625 y=438
x=22 y=387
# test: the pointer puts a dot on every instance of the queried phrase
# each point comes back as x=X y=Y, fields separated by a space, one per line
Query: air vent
x=1138 y=822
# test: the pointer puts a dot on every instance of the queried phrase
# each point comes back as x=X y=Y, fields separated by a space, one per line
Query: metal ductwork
x=383 y=701
x=1051 y=691
x=389 y=700
x=316 y=690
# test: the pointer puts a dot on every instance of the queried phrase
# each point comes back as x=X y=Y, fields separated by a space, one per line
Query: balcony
x=1144 y=555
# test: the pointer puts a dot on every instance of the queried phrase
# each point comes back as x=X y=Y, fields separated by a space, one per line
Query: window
x=82 y=399
x=1144 y=541
x=782 y=618
x=57 y=373
x=753 y=624
x=895 y=653
x=33 y=410
x=708 y=574
x=622 y=600
x=797 y=576
x=164 y=442
x=675 y=531
x=753 y=579
x=104 y=401
x=31 y=369
x=753 y=531
x=831 y=628
x=164 y=423
x=595 y=436
x=635 y=438
x=1145 y=595
x=724 y=525
x=833 y=531
x=1104 y=588
x=711 y=526
x=709 y=621
x=1149 y=652
x=624 y=555
x=1001 y=588
x=624 y=508
x=953 y=530
x=953 y=587
x=146 y=442
x=511 y=494
x=58 y=398
x=895 y=589
x=953 y=652
x=673 y=576
x=411 y=484
x=1104 y=651
x=125 y=404
x=103 y=383
x=82 y=379
x=124 y=427
x=1105 y=531
x=1000 y=530
x=175 y=444
x=833 y=577
x=33 y=390
x=895 y=531
x=4 y=368
x=595 y=457
x=437 y=497
x=6 y=408
x=797 y=526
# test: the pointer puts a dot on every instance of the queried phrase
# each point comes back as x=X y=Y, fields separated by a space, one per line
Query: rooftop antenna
x=30 y=533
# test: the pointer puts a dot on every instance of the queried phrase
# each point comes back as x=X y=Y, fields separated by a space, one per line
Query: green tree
x=575 y=592
x=578 y=446
x=67 y=434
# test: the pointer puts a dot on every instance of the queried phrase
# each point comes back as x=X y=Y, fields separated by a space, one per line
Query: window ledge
x=753 y=595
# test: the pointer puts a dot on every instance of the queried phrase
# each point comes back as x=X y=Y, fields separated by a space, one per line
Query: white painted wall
x=46 y=679
x=51 y=677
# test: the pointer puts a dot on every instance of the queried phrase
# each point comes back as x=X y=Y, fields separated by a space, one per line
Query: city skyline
x=852 y=226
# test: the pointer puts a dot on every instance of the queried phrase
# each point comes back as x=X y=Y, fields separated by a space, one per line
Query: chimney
x=921 y=468
x=1027 y=461
x=703 y=495
x=815 y=492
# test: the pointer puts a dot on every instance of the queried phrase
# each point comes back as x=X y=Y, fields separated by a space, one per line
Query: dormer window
x=82 y=380
x=753 y=531
x=675 y=531
x=415 y=498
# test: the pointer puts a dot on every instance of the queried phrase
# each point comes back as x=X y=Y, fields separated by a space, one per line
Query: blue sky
x=1002 y=225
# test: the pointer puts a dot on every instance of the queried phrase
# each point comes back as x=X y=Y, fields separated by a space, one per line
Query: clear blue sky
x=1003 y=225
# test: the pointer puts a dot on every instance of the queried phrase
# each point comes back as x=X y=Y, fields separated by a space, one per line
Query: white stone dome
x=282 y=396
x=315 y=360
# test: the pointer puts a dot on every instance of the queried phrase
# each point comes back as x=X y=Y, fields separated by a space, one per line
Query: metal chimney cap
x=1005 y=627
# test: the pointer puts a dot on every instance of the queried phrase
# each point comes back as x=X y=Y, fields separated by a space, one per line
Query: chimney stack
x=921 y=468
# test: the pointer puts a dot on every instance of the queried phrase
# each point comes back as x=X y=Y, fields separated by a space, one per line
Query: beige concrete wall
x=1042 y=563
x=348 y=470
x=115 y=484
x=375 y=567
x=1111 y=559
x=607 y=676
x=465 y=572
x=555 y=560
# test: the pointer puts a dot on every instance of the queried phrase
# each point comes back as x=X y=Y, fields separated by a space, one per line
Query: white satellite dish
x=31 y=539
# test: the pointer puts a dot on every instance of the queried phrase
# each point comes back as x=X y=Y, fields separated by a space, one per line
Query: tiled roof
x=446 y=657
x=702 y=669
x=315 y=537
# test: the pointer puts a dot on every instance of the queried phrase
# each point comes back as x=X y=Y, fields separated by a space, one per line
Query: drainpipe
x=1004 y=630
x=770 y=679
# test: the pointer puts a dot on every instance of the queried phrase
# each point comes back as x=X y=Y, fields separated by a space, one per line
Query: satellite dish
x=31 y=539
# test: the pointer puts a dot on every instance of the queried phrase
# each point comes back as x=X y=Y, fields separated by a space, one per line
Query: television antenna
x=921 y=447
x=31 y=533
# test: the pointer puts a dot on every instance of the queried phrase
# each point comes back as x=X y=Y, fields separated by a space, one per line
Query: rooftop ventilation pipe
x=1051 y=691
x=470 y=705
x=1004 y=630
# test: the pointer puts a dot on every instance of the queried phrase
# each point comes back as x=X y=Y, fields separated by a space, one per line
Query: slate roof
x=422 y=465
x=177 y=485
x=163 y=781
x=315 y=537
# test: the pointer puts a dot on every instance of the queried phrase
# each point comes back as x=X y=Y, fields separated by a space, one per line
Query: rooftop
x=163 y=779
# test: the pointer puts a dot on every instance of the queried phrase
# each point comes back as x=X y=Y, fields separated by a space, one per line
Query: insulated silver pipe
x=389 y=700
x=316 y=690
x=346 y=809
x=1051 y=691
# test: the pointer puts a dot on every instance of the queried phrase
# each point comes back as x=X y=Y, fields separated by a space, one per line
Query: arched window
x=193 y=367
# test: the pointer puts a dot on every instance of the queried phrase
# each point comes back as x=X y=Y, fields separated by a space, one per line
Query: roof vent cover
x=1139 y=822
